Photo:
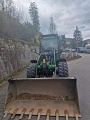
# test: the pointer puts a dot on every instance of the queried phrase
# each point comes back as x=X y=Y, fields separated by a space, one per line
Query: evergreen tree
x=33 y=10
x=77 y=34
x=52 y=26
x=77 y=38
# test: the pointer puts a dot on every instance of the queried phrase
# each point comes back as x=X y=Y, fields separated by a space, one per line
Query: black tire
x=63 y=69
x=31 y=71
x=60 y=69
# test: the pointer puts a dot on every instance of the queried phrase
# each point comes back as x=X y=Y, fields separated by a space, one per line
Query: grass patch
x=13 y=74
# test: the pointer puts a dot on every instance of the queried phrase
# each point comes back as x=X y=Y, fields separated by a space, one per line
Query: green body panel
x=51 y=67
x=57 y=57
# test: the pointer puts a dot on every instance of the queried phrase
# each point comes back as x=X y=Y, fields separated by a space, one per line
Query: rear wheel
x=63 y=69
x=31 y=71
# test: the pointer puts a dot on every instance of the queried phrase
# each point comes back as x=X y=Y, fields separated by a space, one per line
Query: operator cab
x=49 y=42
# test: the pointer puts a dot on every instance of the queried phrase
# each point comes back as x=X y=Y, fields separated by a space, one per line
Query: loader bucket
x=42 y=96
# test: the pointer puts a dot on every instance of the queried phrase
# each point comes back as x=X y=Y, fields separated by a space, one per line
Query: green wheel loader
x=48 y=90
x=49 y=62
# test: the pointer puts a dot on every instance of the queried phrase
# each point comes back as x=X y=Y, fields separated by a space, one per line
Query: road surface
x=81 y=70
x=78 y=68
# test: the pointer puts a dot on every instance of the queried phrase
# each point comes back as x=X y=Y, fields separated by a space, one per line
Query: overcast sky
x=66 y=13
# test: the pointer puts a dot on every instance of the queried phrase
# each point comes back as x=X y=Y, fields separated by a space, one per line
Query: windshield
x=49 y=43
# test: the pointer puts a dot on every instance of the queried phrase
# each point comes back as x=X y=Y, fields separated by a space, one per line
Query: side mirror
x=34 y=50
x=33 y=61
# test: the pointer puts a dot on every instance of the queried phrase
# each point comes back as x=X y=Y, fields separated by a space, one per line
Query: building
x=67 y=42
x=85 y=42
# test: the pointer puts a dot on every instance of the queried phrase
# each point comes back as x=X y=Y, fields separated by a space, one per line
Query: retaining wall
x=14 y=55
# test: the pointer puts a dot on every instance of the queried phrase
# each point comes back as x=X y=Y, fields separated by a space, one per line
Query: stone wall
x=14 y=55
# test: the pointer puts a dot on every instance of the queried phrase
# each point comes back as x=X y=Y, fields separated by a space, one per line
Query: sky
x=67 y=14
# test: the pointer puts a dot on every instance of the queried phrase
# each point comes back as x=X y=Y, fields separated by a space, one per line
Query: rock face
x=14 y=55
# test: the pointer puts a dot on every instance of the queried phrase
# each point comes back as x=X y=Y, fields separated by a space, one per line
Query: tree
x=33 y=11
x=2 y=3
x=77 y=38
x=52 y=26
x=11 y=25
x=9 y=7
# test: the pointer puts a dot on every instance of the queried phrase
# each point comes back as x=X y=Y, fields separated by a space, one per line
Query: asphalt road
x=81 y=70
x=78 y=68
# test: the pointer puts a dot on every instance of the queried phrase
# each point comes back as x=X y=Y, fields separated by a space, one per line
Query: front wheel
x=63 y=69
x=31 y=71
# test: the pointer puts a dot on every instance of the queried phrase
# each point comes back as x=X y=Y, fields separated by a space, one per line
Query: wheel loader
x=48 y=90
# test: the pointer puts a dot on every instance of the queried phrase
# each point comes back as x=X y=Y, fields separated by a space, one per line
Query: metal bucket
x=43 y=96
